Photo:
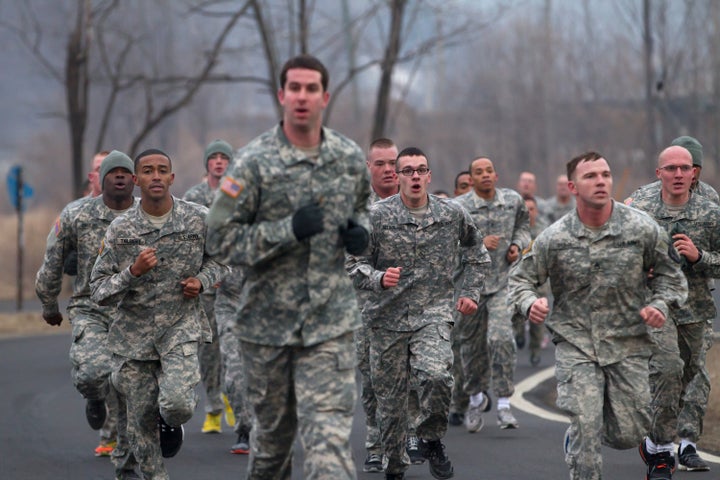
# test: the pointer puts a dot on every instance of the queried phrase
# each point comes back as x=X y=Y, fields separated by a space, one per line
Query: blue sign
x=13 y=182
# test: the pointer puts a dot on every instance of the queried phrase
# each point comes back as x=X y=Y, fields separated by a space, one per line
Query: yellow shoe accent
x=229 y=414
x=105 y=448
x=212 y=423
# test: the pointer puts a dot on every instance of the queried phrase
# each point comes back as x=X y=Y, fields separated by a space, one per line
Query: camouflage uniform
x=156 y=332
x=410 y=324
x=87 y=219
x=602 y=345
x=679 y=380
x=652 y=190
x=211 y=365
x=537 y=331
x=554 y=210
x=373 y=442
x=297 y=308
x=486 y=337
x=226 y=307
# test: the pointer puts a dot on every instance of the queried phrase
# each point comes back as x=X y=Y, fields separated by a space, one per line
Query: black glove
x=307 y=221
x=354 y=237
x=71 y=263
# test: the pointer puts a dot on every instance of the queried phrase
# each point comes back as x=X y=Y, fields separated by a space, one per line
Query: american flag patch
x=56 y=228
x=231 y=187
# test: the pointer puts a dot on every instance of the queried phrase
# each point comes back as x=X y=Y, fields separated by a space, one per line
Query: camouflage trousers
x=399 y=360
x=231 y=355
x=460 y=399
x=536 y=330
x=156 y=387
x=608 y=405
x=211 y=371
x=308 y=391
x=122 y=456
x=487 y=347
x=89 y=354
x=373 y=442
x=679 y=381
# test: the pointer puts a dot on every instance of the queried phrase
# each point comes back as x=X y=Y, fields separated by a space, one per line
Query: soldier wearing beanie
x=218 y=359
x=703 y=189
x=79 y=230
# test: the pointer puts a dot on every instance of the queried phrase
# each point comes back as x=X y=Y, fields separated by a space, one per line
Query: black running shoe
x=171 y=438
x=440 y=466
x=661 y=466
x=690 y=461
x=95 y=412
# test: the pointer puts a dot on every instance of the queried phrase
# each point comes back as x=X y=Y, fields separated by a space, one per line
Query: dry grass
x=37 y=224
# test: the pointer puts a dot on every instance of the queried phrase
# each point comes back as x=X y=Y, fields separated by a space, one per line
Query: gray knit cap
x=113 y=160
x=691 y=145
x=218 y=146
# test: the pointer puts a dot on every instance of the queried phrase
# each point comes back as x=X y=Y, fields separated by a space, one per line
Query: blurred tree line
x=530 y=83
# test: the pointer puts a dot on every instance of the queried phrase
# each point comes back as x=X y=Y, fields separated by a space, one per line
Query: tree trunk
x=387 y=67
x=76 y=89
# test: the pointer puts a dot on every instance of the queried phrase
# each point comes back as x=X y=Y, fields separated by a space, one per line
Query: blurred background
x=529 y=83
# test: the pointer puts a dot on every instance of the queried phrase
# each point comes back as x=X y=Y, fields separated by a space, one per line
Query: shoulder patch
x=56 y=227
x=102 y=246
x=231 y=187
x=628 y=201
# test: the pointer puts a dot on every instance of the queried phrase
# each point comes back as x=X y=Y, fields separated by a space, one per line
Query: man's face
x=303 y=99
x=381 y=165
x=483 y=175
x=464 y=184
x=118 y=183
x=561 y=187
x=592 y=183
x=94 y=175
x=154 y=176
x=413 y=188
x=526 y=184
x=532 y=210
x=675 y=171
x=217 y=164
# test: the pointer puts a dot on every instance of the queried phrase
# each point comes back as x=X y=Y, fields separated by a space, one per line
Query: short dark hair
x=476 y=159
x=530 y=198
x=457 y=177
x=590 y=156
x=412 y=152
x=150 y=151
x=305 y=61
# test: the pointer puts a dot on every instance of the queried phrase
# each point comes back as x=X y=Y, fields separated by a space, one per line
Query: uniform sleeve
x=48 y=281
x=521 y=231
x=234 y=236
x=669 y=285
x=475 y=259
x=527 y=277
x=361 y=268
x=108 y=282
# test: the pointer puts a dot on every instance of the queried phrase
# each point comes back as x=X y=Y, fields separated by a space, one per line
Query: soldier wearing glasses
x=678 y=377
x=416 y=243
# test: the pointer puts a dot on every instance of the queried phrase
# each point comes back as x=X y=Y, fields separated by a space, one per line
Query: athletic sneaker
x=506 y=419
x=212 y=423
x=413 y=450
x=105 y=448
x=171 y=438
x=660 y=465
x=473 y=419
x=242 y=447
x=373 y=463
x=95 y=412
x=690 y=461
x=440 y=466
x=229 y=414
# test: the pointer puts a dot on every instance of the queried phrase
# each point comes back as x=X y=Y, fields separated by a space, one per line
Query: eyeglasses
x=673 y=168
x=408 y=171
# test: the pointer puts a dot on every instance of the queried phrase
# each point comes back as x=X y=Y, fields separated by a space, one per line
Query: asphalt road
x=44 y=435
